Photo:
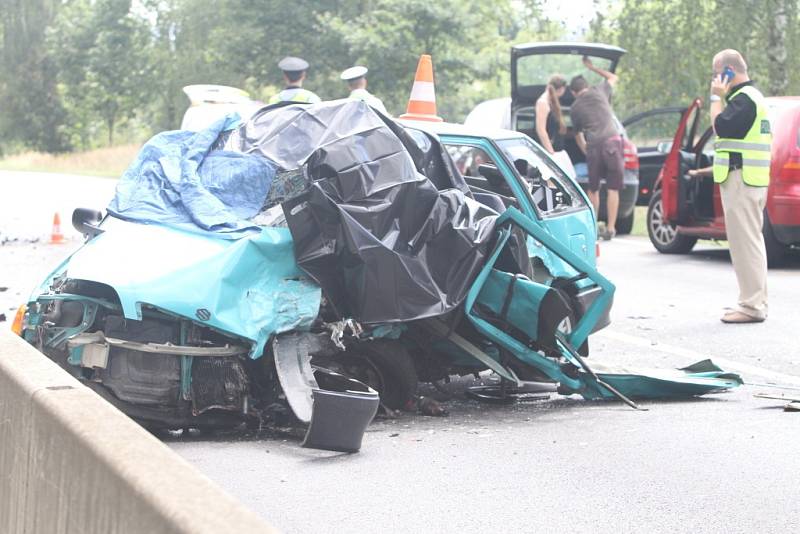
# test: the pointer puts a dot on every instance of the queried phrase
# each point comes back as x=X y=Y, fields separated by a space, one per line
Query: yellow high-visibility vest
x=755 y=148
x=295 y=94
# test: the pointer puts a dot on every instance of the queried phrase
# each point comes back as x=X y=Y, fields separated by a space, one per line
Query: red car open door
x=673 y=166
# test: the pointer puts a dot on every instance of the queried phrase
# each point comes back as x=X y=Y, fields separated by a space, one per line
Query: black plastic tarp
x=372 y=228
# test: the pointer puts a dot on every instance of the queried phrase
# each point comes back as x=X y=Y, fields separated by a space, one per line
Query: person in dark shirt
x=598 y=138
x=739 y=117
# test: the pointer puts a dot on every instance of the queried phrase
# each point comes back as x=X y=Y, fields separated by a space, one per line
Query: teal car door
x=555 y=203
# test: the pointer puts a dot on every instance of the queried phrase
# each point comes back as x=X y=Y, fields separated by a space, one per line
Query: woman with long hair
x=550 y=127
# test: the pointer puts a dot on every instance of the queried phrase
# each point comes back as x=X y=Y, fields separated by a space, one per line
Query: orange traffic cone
x=422 y=103
x=56 y=237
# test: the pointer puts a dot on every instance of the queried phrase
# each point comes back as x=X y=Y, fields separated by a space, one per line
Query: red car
x=684 y=209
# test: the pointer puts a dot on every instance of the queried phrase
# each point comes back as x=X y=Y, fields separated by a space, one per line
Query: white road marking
x=666 y=348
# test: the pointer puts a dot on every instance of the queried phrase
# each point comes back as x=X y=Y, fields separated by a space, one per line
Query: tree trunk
x=110 y=121
x=776 y=47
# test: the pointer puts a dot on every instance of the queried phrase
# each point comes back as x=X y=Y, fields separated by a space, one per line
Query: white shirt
x=371 y=100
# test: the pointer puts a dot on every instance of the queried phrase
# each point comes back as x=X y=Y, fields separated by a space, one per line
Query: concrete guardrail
x=72 y=463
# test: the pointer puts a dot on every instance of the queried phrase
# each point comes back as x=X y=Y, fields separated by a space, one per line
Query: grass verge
x=640 y=221
x=111 y=161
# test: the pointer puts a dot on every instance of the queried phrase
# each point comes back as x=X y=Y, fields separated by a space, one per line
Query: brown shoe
x=736 y=317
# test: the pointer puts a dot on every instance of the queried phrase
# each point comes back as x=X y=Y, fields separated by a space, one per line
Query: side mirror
x=86 y=221
x=664 y=147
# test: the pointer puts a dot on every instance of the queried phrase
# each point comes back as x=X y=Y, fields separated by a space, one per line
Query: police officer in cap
x=357 y=81
x=294 y=73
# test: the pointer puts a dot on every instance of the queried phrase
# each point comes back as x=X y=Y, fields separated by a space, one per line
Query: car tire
x=663 y=236
x=776 y=251
x=625 y=224
x=384 y=365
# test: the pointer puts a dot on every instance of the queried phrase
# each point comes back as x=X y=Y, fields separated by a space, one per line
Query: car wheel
x=776 y=251
x=625 y=224
x=665 y=236
x=386 y=366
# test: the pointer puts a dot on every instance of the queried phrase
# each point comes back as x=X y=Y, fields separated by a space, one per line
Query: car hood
x=249 y=287
x=527 y=84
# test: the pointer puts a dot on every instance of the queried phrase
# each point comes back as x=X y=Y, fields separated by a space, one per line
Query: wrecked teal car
x=316 y=262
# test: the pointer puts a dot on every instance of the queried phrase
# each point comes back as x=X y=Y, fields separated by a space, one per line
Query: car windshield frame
x=550 y=171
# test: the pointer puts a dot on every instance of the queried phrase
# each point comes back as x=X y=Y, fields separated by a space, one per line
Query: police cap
x=354 y=73
x=293 y=64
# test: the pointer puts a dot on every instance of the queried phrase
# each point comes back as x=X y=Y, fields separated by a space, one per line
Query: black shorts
x=605 y=161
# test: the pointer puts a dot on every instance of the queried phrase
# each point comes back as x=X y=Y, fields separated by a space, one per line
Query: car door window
x=650 y=130
x=550 y=188
x=469 y=158
x=705 y=154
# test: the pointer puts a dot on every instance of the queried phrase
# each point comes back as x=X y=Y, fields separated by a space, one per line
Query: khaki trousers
x=744 y=219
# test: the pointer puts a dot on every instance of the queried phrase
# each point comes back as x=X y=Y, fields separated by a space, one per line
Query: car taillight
x=791 y=169
x=630 y=155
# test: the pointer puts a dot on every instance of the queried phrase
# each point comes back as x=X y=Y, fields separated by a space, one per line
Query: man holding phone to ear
x=741 y=168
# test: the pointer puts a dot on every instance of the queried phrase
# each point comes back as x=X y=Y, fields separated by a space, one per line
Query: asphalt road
x=28 y=202
x=726 y=463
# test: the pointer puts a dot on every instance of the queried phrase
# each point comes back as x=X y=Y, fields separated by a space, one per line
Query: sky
x=575 y=14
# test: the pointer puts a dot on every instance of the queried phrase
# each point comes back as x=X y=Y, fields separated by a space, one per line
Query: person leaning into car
x=741 y=168
x=598 y=138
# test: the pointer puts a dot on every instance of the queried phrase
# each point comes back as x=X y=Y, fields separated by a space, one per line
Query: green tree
x=671 y=43
x=188 y=49
x=31 y=113
x=116 y=67
x=468 y=40
x=102 y=50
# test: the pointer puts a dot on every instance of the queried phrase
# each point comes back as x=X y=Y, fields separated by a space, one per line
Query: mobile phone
x=727 y=74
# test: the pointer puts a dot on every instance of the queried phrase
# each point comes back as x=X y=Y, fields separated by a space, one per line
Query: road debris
x=793 y=401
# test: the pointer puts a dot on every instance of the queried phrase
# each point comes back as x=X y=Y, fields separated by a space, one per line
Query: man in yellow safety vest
x=741 y=168
x=294 y=74
x=356 y=78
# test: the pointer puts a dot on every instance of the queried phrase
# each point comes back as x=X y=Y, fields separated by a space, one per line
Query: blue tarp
x=178 y=180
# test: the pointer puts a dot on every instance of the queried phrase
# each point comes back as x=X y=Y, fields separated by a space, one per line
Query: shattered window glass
x=552 y=191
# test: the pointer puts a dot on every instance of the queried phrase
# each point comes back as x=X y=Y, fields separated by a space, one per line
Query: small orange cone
x=422 y=103
x=56 y=237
